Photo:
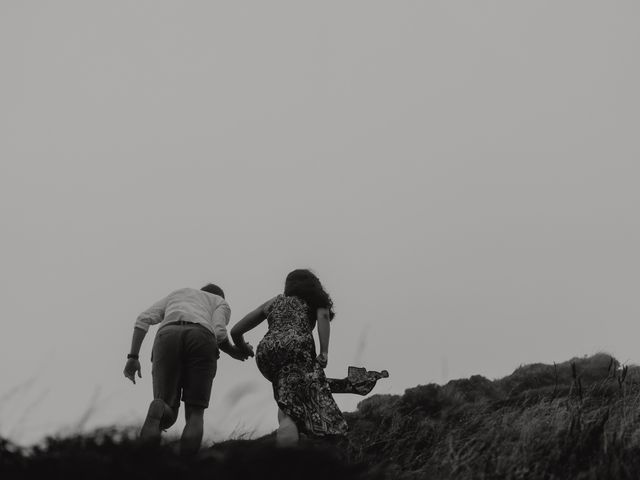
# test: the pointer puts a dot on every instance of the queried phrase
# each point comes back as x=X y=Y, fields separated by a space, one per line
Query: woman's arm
x=248 y=322
x=324 y=331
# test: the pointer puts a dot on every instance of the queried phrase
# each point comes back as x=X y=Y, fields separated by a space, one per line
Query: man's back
x=189 y=305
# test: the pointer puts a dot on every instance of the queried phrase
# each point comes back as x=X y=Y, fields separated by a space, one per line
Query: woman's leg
x=192 y=433
x=287 y=433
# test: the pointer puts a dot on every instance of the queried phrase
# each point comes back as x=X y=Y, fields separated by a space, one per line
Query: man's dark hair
x=306 y=286
x=213 y=288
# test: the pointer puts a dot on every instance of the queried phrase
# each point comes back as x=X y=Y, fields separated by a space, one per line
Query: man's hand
x=131 y=368
x=323 y=359
x=247 y=349
x=237 y=353
x=244 y=349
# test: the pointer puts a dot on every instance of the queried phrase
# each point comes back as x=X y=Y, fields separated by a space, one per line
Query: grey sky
x=461 y=175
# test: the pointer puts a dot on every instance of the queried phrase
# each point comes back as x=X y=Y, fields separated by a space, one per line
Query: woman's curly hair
x=304 y=284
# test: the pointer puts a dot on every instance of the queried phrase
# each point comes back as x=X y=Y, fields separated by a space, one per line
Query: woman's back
x=287 y=312
x=289 y=341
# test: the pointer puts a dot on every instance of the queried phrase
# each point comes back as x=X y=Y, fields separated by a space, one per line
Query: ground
x=578 y=419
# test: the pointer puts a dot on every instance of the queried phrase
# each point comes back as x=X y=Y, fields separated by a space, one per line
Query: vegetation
x=578 y=419
x=111 y=454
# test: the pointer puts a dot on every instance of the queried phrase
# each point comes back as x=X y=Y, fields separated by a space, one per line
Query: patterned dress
x=286 y=356
x=359 y=381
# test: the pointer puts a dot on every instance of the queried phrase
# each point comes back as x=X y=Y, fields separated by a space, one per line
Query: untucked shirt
x=189 y=305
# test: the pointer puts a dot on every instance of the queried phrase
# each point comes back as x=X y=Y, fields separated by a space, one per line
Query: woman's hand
x=243 y=346
x=237 y=353
x=246 y=348
x=323 y=359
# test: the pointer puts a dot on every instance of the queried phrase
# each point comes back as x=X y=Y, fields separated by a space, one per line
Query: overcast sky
x=463 y=177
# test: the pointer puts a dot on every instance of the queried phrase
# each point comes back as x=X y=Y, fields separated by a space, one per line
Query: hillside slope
x=579 y=419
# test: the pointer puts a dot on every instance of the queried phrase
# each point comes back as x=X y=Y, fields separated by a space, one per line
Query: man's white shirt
x=189 y=305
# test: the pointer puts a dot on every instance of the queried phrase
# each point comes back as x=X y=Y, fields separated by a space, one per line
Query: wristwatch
x=132 y=355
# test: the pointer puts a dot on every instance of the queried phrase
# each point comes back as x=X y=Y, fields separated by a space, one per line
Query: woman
x=286 y=356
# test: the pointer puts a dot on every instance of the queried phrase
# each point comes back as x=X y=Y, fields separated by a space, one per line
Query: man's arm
x=136 y=341
x=133 y=363
x=151 y=316
x=221 y=317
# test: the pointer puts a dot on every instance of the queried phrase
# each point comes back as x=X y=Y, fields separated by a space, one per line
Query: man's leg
x=169 y=417
x=199 y=368
x=160 y=416
x=192 y=433
x=166 y=372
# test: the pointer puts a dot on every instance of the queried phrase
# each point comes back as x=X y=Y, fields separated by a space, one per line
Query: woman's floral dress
x=286 y=356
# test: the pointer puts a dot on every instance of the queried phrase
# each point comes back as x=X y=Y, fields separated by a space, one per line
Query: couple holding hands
x=193 y=328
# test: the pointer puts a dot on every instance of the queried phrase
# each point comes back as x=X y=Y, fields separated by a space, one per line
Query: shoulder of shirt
x=190 y=290
x=180 y=290
x=217 y=298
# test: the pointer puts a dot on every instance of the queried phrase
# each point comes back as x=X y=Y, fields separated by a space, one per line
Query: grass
x=108 y=454
x=577 y=419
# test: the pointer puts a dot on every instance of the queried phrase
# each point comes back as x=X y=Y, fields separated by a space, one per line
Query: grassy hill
x=578 y=419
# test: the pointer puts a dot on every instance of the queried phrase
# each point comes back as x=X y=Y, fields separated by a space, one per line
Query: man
x=193 y=328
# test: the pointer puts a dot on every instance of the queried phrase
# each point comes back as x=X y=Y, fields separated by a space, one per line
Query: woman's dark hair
x=213 y=288
x=306 y=286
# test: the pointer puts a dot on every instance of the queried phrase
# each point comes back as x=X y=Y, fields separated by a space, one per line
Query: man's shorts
x=184 y=360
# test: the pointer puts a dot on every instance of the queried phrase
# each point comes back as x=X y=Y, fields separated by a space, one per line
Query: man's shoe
x=150 y=432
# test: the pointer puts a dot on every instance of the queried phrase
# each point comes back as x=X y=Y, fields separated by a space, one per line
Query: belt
x=182 y=322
